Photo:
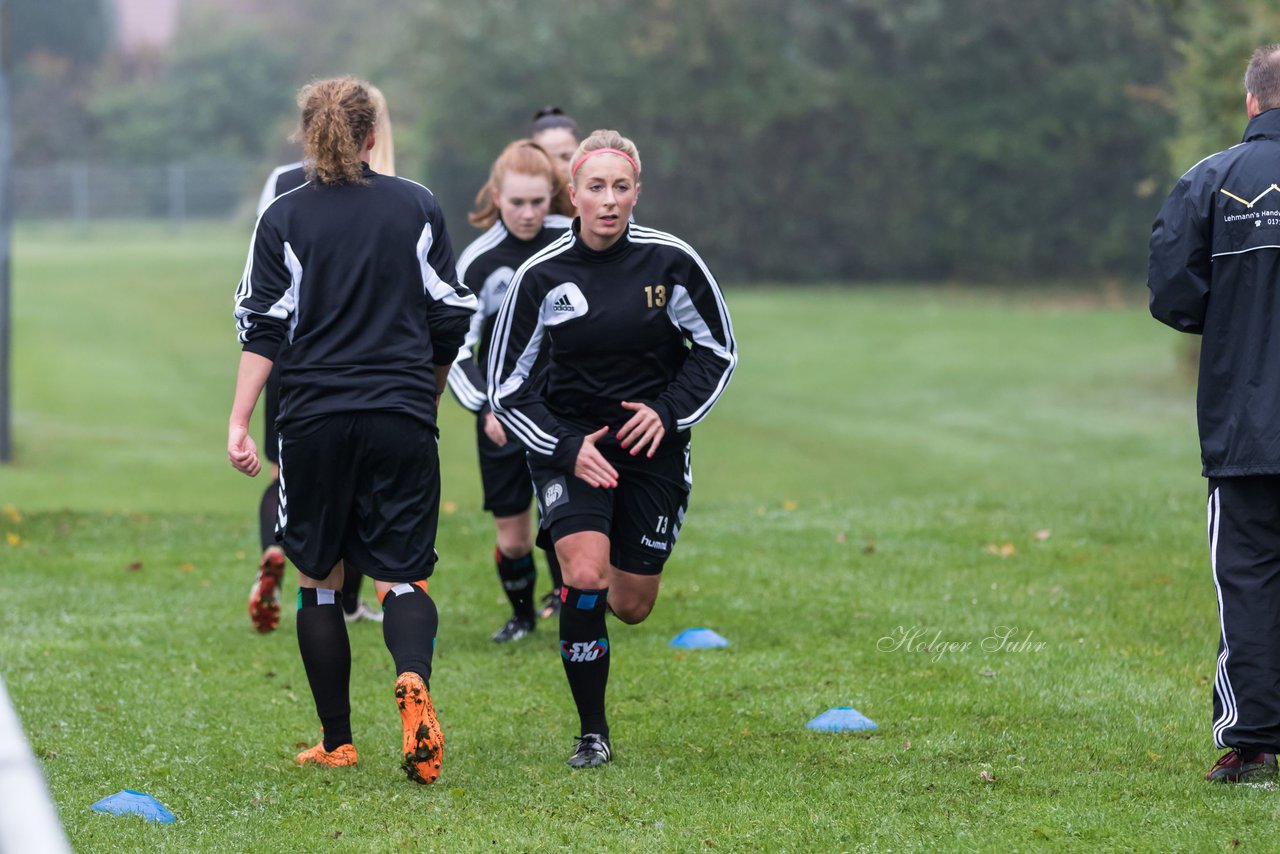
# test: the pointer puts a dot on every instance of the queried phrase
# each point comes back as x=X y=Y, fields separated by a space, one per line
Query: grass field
x=939 y=464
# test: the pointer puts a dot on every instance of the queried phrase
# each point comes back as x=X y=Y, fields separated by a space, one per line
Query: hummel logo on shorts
x=563 y=303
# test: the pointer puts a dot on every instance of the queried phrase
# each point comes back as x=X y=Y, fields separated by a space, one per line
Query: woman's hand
x=643 y=428
x=493 y=429
x=241 y=450
x=591 y=465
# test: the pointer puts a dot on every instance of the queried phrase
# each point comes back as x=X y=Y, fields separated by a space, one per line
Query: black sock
x=584 y=646
x=351 y=589
x=268 y=510
x=517 y=575
x=409 y=629
x=553 y=567
x=326 y=654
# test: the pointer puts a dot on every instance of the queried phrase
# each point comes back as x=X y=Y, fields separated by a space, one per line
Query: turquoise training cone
x=699 y=639
x=842 y=719
x=129 y=802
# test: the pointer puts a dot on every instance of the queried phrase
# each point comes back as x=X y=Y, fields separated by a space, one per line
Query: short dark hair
x=1262 y=77
x=549 y=118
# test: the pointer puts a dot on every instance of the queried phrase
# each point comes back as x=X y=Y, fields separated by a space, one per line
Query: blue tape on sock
x=587 y=601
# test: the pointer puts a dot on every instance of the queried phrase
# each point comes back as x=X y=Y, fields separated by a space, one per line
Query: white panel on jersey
x=563 y=303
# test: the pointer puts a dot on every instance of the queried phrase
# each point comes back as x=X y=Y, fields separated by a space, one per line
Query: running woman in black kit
x=522 y=207
x=264 y=595
x=639 y=346
x=350 y=286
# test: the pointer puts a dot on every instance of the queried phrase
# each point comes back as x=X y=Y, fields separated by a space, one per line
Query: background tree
x=1214 y=43
x=219 y=95
x=805 y=140
x=54 y=48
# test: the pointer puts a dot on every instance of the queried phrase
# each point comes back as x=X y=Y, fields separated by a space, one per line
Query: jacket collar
x=1265 y=125
x=615 y=251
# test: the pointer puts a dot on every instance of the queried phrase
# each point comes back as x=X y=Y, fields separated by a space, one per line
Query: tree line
x=807 y=140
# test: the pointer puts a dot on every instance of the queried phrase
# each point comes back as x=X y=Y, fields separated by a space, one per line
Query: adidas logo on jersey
x=564 y=303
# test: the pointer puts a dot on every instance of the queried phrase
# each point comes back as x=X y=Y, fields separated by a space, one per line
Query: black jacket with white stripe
x=643 y=321
x=282 y=179
x=1215 y=271
x=486 y=268
x=352 y=289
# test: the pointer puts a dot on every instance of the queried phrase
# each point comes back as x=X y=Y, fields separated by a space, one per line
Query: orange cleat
x=423 y=740
x=343 y=756
x=264 y=596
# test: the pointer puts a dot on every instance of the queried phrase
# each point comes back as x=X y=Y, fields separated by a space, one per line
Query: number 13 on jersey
x=656 y=295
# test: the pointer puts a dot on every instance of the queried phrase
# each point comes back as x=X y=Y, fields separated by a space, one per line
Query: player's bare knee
x=631 y=611
x=514 y=546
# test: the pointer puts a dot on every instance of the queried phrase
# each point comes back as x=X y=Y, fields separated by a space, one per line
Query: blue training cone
x=699 y=639
x=129 y=802
x=842 y=719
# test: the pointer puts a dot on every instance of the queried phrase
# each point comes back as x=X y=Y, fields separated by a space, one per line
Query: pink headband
x=622 y=154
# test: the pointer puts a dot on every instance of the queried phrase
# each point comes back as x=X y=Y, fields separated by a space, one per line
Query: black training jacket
x=643 y=321
x=281 y=180
x=352 y=289
x=486 y=267
x=1215 y=271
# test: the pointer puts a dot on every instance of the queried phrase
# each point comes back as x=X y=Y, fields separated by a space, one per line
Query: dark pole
x=6 y=221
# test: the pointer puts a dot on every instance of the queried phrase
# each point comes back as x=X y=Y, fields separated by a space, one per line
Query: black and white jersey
x=281 y=180
x=643 y=321
x=486 y=268
x=352 y=288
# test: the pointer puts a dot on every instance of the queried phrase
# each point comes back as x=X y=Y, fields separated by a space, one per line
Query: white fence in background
x=81 y=193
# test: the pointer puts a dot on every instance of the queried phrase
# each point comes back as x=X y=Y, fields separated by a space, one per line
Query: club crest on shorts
x=554 y=493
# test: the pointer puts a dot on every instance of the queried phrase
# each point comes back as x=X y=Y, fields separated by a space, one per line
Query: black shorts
x=504 y=473
x=361 y=487
x=270 y=409
x=641 y=516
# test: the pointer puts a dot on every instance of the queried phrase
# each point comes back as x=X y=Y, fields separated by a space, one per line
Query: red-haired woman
x=350 y=286
x=523 y=207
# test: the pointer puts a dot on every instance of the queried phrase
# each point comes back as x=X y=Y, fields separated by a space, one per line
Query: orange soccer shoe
x=264 y=596
x=423 y=740
x=342 y=756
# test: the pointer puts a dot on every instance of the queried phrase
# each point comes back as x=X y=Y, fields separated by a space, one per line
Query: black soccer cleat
x=550 y=605
x=514 y=629
x=593 y=749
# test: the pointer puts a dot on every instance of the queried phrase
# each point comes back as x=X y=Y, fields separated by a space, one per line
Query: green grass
x=876 y=447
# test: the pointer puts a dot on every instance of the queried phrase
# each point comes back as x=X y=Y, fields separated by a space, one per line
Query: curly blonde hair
x=337 y=115
x=522 y=157
x=600 y=139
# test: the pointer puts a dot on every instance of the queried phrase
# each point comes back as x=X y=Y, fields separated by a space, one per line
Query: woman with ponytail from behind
x=264 y=595
x=350 y=287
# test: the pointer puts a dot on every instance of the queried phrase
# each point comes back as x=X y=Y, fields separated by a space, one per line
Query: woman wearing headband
x=639 y=347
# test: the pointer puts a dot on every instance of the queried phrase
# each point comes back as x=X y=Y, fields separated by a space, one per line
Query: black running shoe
x=550 y=605
x=1235 y=767
x=514 y=629
x=593 y=749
